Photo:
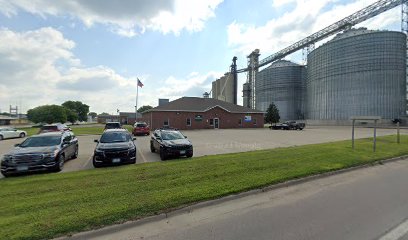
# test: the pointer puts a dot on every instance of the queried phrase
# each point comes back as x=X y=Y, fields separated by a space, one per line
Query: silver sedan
x=9 y=132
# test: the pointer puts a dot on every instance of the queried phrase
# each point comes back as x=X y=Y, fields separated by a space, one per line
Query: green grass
x=77 y=129
x=50 y=205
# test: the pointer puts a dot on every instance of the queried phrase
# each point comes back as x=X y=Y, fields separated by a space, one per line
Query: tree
x=93 y=114
x=272 y=114
x=71 y=115
x=144 y=108
x=78 y=107
x=47 y=114
x=104 y=114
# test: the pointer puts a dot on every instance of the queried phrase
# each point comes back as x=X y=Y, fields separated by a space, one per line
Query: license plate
x=116 y=160
x=182 y=152
x=22 y=168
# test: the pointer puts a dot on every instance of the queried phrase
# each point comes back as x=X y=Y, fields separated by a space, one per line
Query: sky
x=94 y=51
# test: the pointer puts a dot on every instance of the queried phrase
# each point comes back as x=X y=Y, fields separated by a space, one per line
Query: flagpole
x=137 y=96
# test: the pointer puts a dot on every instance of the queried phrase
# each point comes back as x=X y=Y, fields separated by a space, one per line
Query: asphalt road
x=369 y=203
x=210 y=142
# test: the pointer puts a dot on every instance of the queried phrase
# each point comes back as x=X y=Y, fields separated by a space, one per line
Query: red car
x=56 y=127
x=141 y=128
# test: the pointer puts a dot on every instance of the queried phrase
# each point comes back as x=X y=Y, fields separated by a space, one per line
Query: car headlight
x=7 y=158
x=98 y=151
x=51 y=154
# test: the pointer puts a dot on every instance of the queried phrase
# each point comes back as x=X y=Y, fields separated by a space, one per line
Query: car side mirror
x=185 y=136
x=96 y=140
x=17 y=145
x=158 y=138
x=134 y=138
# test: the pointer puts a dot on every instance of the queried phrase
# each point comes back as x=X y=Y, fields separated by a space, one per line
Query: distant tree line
x=70 y=111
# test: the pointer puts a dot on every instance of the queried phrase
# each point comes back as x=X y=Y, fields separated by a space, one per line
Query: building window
x=211 y=122
x=188 y=121
x=166 y=123
x=254 y=121
x=240 y=122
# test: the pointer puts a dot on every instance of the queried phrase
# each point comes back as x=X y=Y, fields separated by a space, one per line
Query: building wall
x=358 y=73
x=226 y=119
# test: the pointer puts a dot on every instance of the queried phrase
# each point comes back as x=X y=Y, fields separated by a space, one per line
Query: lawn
x=94 y=129
x=50 y=205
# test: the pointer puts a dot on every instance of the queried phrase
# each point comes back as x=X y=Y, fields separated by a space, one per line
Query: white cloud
x=38 y=68
x=307 y=17
x=127 y=17
x=193 y=85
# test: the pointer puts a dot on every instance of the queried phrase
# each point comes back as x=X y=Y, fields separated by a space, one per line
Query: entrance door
x=216 y=123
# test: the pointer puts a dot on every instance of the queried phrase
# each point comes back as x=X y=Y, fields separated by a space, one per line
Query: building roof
x=130 y=114
x=3 y=117
x=284 y=63
x=196 y=104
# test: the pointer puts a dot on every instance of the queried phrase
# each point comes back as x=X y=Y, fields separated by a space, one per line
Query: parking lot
x=210 y=142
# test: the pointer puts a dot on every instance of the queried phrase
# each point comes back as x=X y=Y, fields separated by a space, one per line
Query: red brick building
x=203 y=113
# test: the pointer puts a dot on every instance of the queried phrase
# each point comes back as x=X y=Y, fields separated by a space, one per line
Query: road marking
x=397 y=232
x=142 y=155
x=86 y=163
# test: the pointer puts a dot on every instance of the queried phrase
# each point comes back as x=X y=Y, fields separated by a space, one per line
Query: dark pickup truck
x=289 y=125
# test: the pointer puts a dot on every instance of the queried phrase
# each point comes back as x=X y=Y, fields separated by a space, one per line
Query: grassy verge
x=77 y=129
x=48 y=205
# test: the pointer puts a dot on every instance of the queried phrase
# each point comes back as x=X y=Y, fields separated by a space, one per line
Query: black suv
x=170 y=142
x=47 y=151
x=115 y=147
x=112 y=125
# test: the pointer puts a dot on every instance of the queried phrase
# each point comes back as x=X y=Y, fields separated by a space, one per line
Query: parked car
x=295 y=125
x=55 y=127
x=115 y=147
x=288 y=125
x=141 y=128
x=9 y=132
x=113 y=125
x=282 y=126
x=47 y=151
x=170 y=142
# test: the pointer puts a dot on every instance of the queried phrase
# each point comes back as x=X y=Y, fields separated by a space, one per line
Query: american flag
x=139 y=83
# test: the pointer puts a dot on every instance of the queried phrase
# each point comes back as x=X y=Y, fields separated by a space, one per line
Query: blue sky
x=94 y=50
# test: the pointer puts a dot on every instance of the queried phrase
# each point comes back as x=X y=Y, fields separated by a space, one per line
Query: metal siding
x=283 y=84
x=363 y=74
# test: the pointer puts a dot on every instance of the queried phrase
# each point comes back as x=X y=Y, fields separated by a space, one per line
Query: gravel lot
x=210 y=142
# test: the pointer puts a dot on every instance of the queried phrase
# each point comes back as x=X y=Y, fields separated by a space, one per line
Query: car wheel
x=75 y=153
x=60 y=163
x=189 y=155
x=22 y=135
x=1 y=137
x=163 y=155
x=152 y=148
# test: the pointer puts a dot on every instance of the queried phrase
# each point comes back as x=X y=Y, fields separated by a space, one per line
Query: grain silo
x=358 y=73
x=223 y=88
x=283 y=84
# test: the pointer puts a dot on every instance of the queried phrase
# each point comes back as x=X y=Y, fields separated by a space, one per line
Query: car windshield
x=172 y=135
x=112 y=125
x=43 y=141
x=141 y=125
x=111 y=137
